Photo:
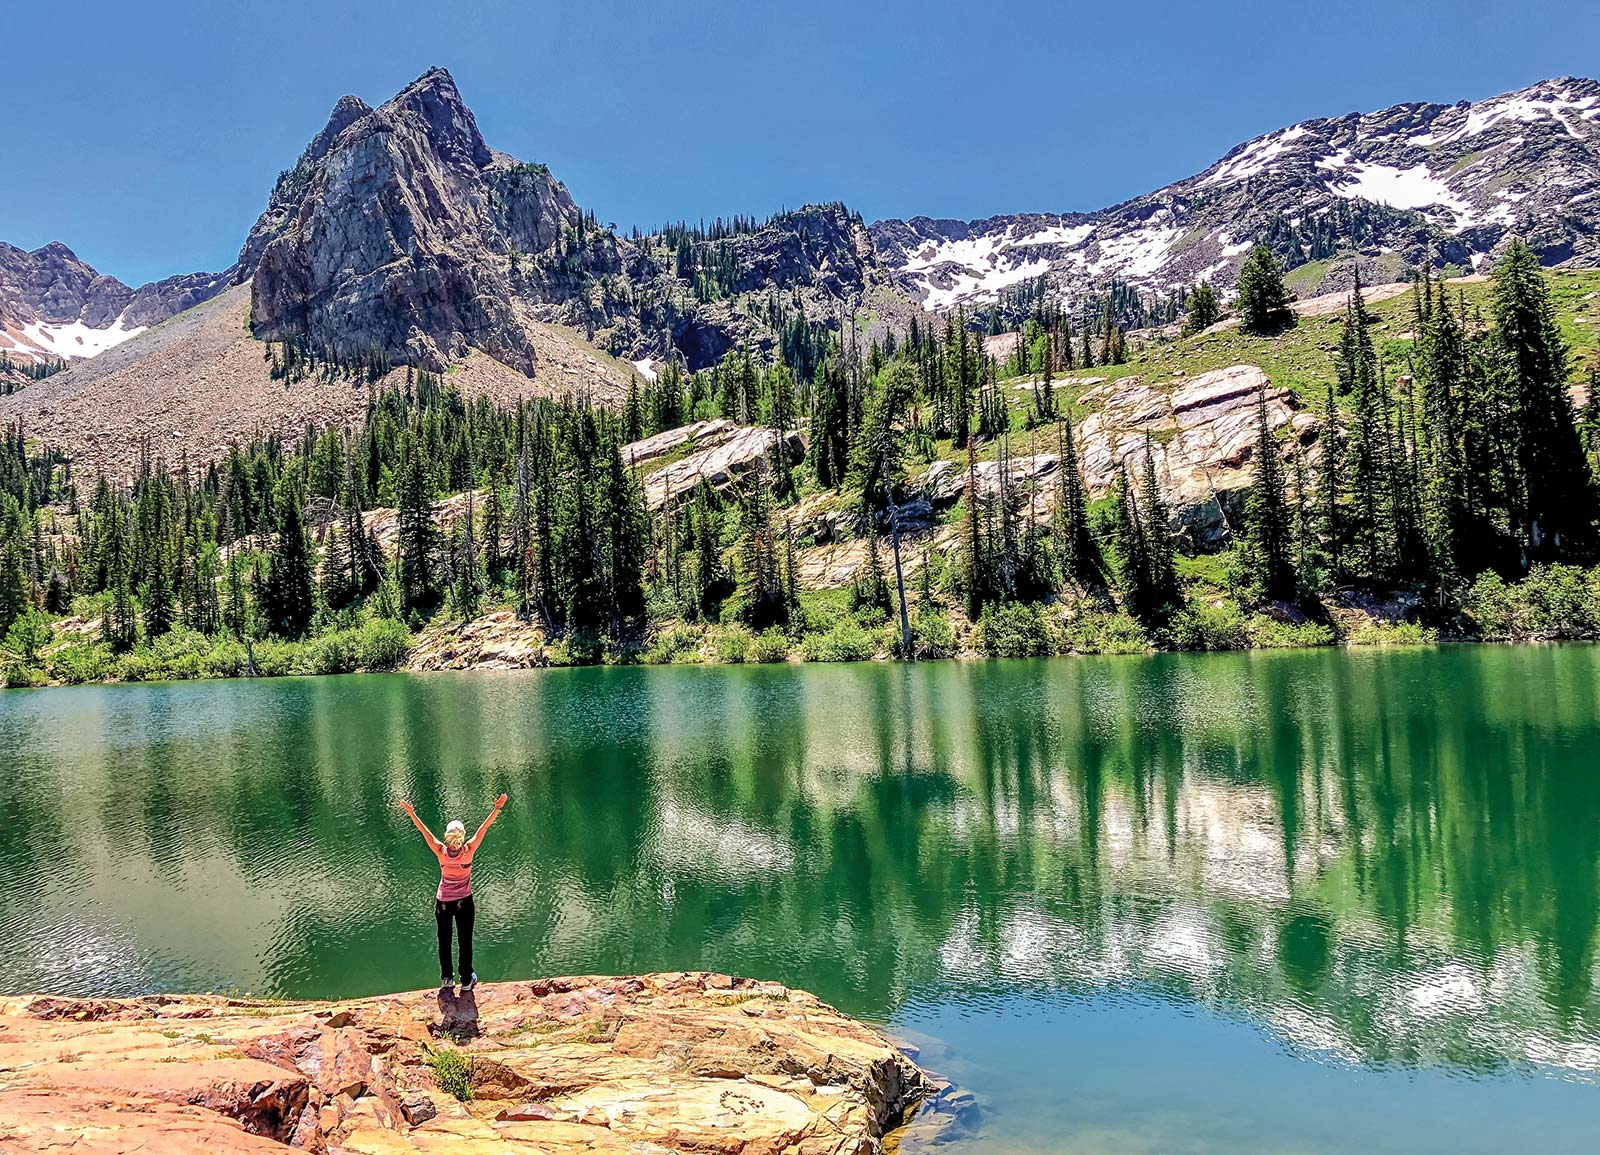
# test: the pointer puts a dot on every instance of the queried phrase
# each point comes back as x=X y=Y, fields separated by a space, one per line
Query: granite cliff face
x=689 y=1062
x=384 y=237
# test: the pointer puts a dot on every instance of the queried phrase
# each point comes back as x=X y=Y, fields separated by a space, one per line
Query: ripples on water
x=1378 y=866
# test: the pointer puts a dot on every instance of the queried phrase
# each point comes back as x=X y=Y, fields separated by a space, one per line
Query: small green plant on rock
x=453 y=1072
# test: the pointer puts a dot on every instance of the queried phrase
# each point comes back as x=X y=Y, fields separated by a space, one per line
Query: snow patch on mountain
x=1409 y=188
x=1257 y=156
x=40 y=341
x=967 y=285
x=1136 y=254
x=948 y=271
x=1441 y=183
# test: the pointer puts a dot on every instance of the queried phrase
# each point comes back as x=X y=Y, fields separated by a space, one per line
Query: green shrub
x=29 y=634
x=671 y=645
x=226 y=659
x=932 y=633
x=1557 y=601
x=453 y=1072
x=578 y=650
x=1205 y=626
x=1013 y=630
x=382 y=644
x=274 y=659
x=82 y=662
x=1095 y=632
x=732 y=645
x=138 y=665
x=769 y=646
x=17 y=676
x=1268 y=633
x=847 y=641
x=1393 y=634
x=332 y=653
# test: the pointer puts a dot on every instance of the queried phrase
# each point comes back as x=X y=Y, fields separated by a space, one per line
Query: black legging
x=462 y=910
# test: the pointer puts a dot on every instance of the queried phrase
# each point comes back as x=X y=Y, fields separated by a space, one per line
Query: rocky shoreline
x=689 y=1061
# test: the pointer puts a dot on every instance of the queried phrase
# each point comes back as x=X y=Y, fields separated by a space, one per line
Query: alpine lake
x=1314 y=901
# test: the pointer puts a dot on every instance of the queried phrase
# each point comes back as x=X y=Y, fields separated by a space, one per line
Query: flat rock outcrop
x=1202 y=433
x=688 y=1062
x=1203 y=438
x=495 y=641
x=720 y=453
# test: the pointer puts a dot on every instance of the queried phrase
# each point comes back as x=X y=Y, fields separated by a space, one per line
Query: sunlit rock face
x=689 y=1062
x=1202 y=435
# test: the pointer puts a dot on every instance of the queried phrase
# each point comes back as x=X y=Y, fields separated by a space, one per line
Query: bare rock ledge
x=652 y=1064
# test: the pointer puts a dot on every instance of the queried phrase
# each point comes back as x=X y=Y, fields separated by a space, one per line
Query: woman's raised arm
x=433 y=842
x=488 y=822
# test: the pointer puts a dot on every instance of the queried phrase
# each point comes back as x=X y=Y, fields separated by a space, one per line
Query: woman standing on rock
x=454 y=897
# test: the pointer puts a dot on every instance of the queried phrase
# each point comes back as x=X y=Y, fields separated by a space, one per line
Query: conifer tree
x=287 y=600
x=14 y=599
x=1263 y=301
x=1268 y=543
x=1162 y=579
x=1075 y=547
x=1132 y=557
x=1369 y=522
x=1330 y=517
x=1203 y=310
x=416 y=544
x=468 y=585
x=1555 y=507
x=233 y=609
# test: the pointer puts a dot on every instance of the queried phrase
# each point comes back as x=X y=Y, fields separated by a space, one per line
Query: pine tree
x=976 y=576
x=1369 y=522
x=1268 y=552
x=1132 y=557
x=1163 y=579
x=1070 y=524
x=160 y=610
x=468 y=585
x=287 y=600
x=14 y=599
x=233 y=610
x=1555 y=507
x=876 y=460
x=494 y=517
x=417 y=549
x=1204 y=310
x=1331 y=531
x=1263 y=301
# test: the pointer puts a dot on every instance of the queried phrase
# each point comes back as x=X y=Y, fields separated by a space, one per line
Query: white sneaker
x=472 y=981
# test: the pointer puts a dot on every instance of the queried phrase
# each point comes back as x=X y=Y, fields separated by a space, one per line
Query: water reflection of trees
x=1389 y=856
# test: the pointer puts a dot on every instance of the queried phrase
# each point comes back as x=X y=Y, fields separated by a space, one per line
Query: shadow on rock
x=458 y=1014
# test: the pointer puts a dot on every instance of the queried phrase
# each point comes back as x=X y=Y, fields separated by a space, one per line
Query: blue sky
x=146 y=135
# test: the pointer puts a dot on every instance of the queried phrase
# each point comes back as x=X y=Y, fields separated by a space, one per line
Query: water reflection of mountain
x=1385 y=857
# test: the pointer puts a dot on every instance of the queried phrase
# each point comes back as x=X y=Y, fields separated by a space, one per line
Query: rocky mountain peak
x=436 y=103
x=383 y=237
x=346 y=112
x=1395 y=189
